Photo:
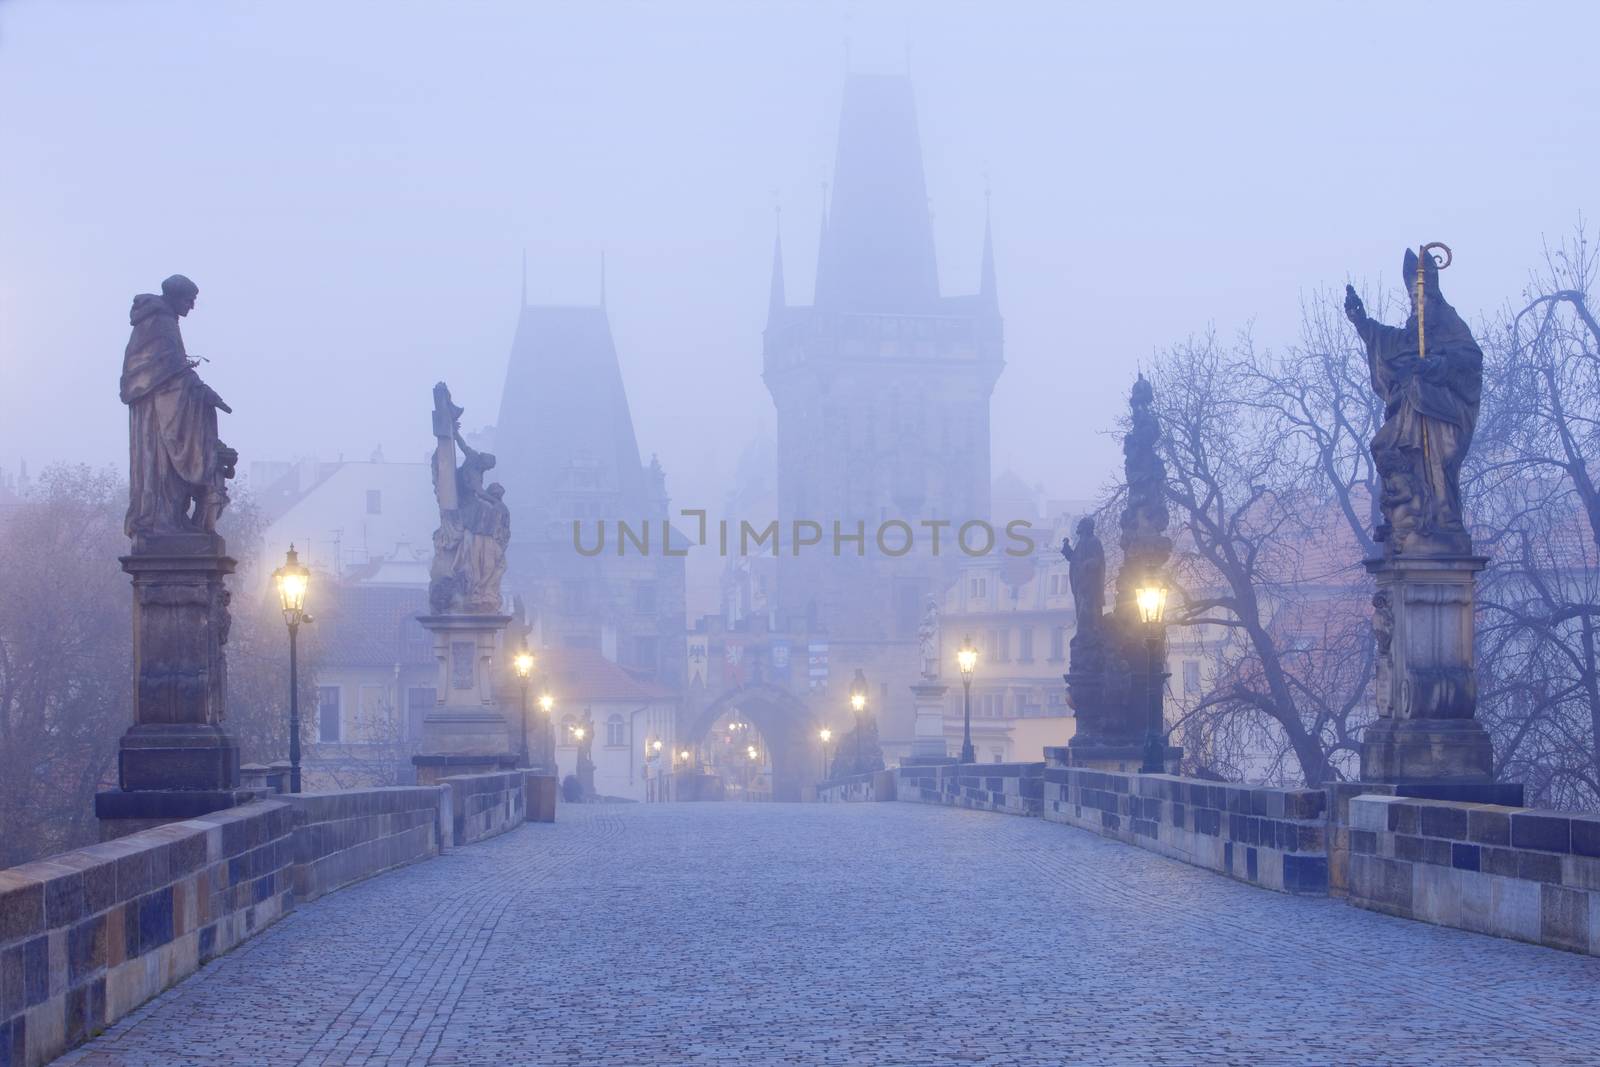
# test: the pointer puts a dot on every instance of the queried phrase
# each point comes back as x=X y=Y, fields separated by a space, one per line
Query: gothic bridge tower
x=882 y=390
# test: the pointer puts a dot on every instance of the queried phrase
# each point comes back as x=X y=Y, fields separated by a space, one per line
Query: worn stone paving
x=849 y=934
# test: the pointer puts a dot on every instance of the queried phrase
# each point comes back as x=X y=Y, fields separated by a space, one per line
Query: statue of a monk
x=928 y=639
x=1087 y=575
x=1430 y=396
x=177 y=468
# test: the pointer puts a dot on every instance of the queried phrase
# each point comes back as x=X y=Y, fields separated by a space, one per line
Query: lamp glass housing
x=1151 y=596
x=523 y=662
x=967 y=659
x=292 y=580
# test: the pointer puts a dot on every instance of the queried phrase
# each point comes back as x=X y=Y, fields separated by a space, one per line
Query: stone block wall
x=1013 y=788
x=1519 y=873
x=88 y=935
x=872 y=786
x=1274 y=838
x=341 y=838
x=483 y=805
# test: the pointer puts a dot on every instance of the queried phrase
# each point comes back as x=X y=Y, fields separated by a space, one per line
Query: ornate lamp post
x=1151 y=596
x=292 y=579
x=547 y=704
x=523 y=662
x=967 y=661
x=858 y=707
x=826 y=735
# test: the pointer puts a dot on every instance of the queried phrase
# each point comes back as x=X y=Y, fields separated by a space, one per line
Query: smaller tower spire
x=777 y=300
x=822 y=250
x=986 y=284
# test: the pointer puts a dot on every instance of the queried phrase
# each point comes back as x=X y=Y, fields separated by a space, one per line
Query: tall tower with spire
x=567 y=454
x=882 y=391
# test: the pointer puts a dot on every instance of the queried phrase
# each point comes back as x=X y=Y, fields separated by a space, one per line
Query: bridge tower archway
x=784 y=721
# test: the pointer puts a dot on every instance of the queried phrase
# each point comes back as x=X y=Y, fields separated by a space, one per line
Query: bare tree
x=1272 y=488
x=1536 y=513
x=65 y=646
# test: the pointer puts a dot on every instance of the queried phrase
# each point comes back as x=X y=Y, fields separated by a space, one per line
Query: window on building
x=420 y=699
x=328 y=717
x=374 y=722
x=646 y=652
x=1025 y=644
x=374 y=502
x=998 y=755
x=1191 y=677
x=1058 y=643
x=644 y=597
x=574 y=592
x=616 y=732
x=978 y=587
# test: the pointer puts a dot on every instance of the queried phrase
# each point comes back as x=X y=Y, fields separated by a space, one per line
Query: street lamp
x=547 y=704
x=292 y=579
x=1151 y=596
x=826 y=735
x=858 y=706
x=967 y=661
x=523 y=662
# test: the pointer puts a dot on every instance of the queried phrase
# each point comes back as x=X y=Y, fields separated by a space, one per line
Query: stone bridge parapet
x=87 y=936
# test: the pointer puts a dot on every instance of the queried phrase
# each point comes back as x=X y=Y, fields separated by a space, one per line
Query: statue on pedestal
x=1087 y=575
x=1429 y=375
x=177 y=468
x=928 y=640
x=469 y=547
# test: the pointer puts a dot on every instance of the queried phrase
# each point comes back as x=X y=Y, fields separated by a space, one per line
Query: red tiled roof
x=583 y=674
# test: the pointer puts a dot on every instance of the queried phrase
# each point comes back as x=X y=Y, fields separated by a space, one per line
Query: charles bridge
x=928 y=913
x=918 y=915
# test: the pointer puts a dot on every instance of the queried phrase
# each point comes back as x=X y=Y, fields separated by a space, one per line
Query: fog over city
x=352 y=186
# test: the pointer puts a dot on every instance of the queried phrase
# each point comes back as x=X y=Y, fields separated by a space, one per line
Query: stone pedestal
x=927 y=733
x=1427 y=696
x=1121 y=759
x=467 y=732
x=177 y=760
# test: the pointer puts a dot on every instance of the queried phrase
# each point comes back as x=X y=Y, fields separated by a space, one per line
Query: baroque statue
x=177 y=467
x=469 y=547
x=1087 y=575
x=928 y=640
x=1429 y=375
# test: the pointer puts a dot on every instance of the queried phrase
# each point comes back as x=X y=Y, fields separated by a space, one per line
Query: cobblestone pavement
x=849 y=934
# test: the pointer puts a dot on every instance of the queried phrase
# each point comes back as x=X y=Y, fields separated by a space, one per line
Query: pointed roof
x=879 y=256
x=564 y=405
x=988 y=293
x=777 y=301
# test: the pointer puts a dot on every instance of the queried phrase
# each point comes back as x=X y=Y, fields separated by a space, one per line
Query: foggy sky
x=352 y=185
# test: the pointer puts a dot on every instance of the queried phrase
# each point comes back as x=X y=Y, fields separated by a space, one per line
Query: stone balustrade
x=1273 y=838
x=86 y=936
x=1512 y=872
x=1013 y=788
x=89 y=935
x=871 y=786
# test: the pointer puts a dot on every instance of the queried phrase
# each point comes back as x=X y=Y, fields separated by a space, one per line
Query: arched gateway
x=783 y=720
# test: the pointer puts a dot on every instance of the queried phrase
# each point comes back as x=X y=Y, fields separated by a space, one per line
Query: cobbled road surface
x=849 y=934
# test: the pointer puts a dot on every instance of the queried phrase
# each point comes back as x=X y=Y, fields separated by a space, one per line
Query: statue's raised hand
x=1354 y=309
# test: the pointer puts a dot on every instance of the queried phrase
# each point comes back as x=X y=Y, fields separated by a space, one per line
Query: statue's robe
x=1086 y=575
x=1430 y=412
x=172 y=425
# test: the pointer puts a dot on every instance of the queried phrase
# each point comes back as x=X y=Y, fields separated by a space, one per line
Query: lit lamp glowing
x=858 y=706
x=1151 y=598
x=967 y=662
x=826 y=735
x=522 y=663
x=292 y=580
